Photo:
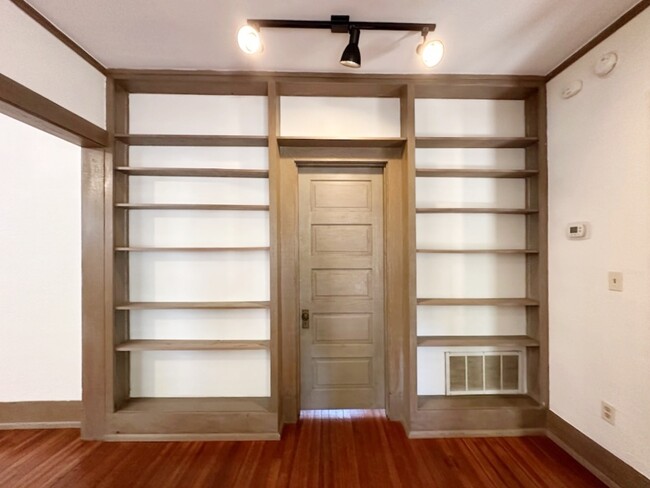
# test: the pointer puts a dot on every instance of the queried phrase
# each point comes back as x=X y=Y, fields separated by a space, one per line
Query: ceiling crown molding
x=56 y=32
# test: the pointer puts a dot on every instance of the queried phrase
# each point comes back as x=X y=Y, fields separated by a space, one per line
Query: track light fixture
x=249 y=39
x=431 y=52
x=351 y=55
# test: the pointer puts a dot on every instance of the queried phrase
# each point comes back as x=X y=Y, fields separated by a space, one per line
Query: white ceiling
x=481 y=36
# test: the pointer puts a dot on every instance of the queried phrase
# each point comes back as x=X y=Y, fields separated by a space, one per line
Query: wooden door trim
x=395 y=257
x=339 y=163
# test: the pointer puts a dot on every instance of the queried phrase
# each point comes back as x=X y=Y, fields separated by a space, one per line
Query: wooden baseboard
x=190 y=437
x=603 y=464
x=40 y=415
x=442 y=434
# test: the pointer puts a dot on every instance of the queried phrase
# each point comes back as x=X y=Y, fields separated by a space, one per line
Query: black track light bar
x=339 y=24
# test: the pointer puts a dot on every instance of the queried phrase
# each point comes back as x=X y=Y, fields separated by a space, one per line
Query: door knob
x=305 y=319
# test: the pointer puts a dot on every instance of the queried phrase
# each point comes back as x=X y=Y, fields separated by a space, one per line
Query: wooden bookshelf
x=189 y=345
x=477 y=251
x=194 y=172
x=365 y=142
x=190 y=206
x=475 y=142
x=475 y=173
x=466 y=402
x=192 y=249
x=109 y=411
x=482 y=302
x=476 y=210
x=191 y=305
x=194 y=404
x=191 y=140
x=472 y=341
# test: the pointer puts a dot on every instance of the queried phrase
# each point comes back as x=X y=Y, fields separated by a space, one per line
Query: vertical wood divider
x=289 y=296
x=117 y=234
x=93 y=292
x=274 y=216
x=542 y=266
x=536 y=237
x=96 y=396
x=407 y=116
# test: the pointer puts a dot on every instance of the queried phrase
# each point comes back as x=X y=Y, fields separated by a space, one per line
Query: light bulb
x=249 y=40
x=431 y=53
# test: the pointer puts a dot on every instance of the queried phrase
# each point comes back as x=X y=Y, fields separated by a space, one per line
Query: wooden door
x=342 y=288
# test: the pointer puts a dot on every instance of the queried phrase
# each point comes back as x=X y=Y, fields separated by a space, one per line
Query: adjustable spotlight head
x=431 y=52
x=249 y=39
x=351 y=55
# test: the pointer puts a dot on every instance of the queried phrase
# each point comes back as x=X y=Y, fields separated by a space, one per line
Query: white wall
x=40 y=265
x=599 y=171
x=213 y=276
x=35 y=58
x=339 y=117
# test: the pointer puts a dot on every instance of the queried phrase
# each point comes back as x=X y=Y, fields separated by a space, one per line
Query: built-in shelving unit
x=190 y=206
x=479 y=302
x=366 y=142
x=185 y=345
x=191 y=305
x=170 y=322
x=192 y=249
x=481 y=402
x=477 y=210
x=490 y=241
x=190 y=266
x=477 y=251
x=197 y=405
x=475 y=142
x=199 y=172
x=191 y=140
x=471 y=341
x=475 y=173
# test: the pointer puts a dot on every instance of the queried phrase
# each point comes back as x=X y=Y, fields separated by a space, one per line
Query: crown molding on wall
x=56 y=32
x=26 y=105
x=608 y=31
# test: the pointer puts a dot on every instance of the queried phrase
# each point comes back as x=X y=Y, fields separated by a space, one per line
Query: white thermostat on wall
x=576 y=230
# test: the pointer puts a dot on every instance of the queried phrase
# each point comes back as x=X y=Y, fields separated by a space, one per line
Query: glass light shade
x=249 y=40
x=431 y=53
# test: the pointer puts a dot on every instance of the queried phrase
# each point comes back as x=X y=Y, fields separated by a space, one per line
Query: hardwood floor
x=326 y=449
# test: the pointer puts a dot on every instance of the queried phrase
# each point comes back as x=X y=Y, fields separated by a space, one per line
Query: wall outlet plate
x=615 y=279
x=608 y=413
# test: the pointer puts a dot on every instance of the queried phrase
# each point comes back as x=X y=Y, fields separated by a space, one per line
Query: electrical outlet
x=608 y=413
x=615 y=281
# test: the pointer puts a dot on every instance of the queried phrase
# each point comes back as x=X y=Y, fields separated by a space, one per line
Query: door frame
x=397 y=256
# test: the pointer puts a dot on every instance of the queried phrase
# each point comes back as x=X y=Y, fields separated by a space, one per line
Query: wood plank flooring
x=347 y=449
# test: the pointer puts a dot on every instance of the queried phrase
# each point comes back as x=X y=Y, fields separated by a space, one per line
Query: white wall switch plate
x=615 y=279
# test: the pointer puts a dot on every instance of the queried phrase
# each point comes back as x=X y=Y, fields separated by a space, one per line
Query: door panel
x=342 y=285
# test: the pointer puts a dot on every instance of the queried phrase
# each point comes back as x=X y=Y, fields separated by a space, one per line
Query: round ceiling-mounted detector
x=572 y=89
x=606 y=64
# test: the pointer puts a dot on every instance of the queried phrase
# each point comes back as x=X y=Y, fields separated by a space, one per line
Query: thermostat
x=577 y=230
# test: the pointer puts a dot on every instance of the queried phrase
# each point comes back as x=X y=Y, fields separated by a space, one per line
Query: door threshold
x=343 y=413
